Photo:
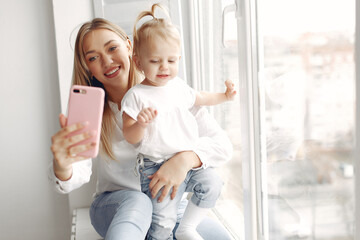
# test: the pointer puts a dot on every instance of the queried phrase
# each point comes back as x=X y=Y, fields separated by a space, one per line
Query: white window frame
x=254 y=196
x=357 y=122
x=253 y=158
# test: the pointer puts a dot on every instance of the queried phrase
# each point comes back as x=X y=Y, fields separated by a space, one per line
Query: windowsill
x=83 y=230
x=231 y=217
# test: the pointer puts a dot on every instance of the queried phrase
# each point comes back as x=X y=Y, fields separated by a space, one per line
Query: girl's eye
x=172 y=61
x=154 y=61
x=112 y=48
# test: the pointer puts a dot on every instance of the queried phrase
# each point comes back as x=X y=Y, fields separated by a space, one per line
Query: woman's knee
x=137 y=206
x=121 y=207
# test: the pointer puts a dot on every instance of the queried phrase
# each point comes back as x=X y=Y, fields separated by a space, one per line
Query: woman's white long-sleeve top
x=214 y=149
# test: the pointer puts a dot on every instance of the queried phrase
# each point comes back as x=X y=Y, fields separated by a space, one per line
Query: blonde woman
x=119 y=209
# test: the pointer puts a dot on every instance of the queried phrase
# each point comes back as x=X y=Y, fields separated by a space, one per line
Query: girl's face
x=159 y=60
x=107 y=57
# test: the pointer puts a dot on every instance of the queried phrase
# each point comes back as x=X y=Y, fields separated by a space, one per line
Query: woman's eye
x=154 y=61
x=112 y=48
x=172 y=61
x=92 y=59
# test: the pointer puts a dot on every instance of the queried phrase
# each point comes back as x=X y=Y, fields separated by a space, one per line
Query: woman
x=119 y=210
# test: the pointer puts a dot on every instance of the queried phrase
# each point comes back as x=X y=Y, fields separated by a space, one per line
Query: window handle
x=239 y=6
x=236 y=7
x=228 y=9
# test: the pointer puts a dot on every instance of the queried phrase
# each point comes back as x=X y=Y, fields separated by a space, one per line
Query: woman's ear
x=129 y=46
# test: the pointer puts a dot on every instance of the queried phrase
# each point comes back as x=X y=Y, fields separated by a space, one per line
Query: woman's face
x=107 y=57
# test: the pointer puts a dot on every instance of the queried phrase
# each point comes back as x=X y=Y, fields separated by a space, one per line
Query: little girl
x=157 y=120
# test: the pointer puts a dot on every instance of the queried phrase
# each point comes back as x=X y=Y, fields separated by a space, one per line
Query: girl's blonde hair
x=82 y=76
x=156 y=27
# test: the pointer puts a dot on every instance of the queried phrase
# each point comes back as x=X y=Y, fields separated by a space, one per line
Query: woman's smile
x=113 y=72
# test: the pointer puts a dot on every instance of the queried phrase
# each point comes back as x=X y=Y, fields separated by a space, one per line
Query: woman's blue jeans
x=126 y=215
x=123 y=214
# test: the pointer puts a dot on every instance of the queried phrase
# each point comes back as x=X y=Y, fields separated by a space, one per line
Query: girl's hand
x=172 y=173
x=230 y=90
x=64 y=153
x=146 y=116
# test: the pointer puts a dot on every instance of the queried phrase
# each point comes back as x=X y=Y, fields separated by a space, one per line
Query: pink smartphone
x=86 y=104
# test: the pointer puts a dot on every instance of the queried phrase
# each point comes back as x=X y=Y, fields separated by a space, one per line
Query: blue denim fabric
x=121 y=215
x=205 y=185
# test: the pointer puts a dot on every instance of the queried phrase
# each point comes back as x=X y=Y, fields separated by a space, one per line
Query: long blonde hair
x=156 y=27
x=82 y=76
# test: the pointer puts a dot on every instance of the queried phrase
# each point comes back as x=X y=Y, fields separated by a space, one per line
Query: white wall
x=30 y=104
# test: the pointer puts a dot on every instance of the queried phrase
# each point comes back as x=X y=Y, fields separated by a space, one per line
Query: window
x=292 y=168
x=292 y=124
x=214 y=59
x=308 y=81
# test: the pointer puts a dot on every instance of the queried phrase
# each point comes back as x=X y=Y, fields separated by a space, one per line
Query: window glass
x=220 y=62
x=307 y=75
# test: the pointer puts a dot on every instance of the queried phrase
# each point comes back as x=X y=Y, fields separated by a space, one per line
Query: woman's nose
x=107 y=60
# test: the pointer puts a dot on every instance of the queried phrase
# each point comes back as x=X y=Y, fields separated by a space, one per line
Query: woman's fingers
x=174 y=191
x=164 y=192
x=62 y=120
x=159 y=186
x=78 y=138
x=156 y=186
x=68 y=130
x=72 y=128
x=75 y=151
x=63 y=146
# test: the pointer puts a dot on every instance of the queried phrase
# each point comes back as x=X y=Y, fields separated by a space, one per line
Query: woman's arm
x=67 y=170
x=212 y=150
x=214 y=147
x=81 y=172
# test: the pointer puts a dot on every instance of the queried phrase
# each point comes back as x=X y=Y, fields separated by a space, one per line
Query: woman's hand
x=64 y=153
x=172 y=173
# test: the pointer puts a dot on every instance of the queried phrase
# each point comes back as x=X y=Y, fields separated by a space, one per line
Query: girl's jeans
x=205 y=185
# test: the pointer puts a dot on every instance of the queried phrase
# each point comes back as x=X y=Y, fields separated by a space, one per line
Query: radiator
x=81 y=228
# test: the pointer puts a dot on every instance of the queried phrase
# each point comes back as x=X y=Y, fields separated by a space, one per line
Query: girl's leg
x=165 y=213
x=192 y=217
x=209 y=229
x=123 y=214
